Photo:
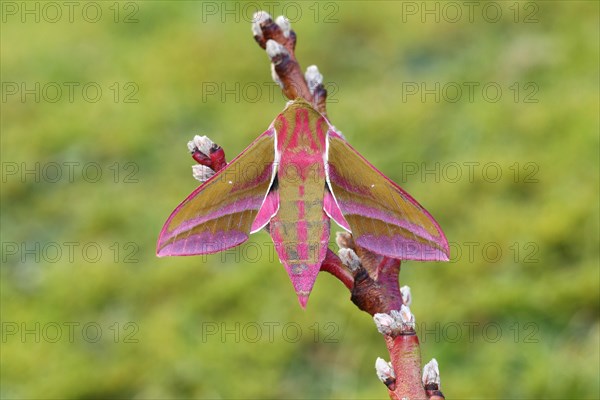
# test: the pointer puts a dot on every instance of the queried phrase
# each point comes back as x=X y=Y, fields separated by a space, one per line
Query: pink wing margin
x=382 y=217
x=223 y=211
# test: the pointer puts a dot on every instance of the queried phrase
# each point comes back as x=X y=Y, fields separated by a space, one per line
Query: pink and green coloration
x=293 y=179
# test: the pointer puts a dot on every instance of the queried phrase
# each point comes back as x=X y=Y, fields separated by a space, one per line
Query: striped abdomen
x=300 y=230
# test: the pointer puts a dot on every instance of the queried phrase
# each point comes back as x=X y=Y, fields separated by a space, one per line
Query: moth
x=293 y=179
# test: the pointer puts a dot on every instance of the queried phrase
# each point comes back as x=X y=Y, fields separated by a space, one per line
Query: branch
x=209 y=156
x=376 y=291
x=334 y=266
x=279 y=40
x=398 y=329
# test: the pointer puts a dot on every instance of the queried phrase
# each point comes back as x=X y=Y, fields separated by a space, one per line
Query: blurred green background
x=509 y=169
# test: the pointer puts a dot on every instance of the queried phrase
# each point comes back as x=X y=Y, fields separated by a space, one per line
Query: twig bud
x=349 y=258
x=284 y=25
x=206 y=153
x=313 y=78
x=404 y=318
x=257 y=19
x=407 y=317
x=406 y=296
x=386 y=324
x=344 y=240
x=201 y=143
x=202 y=173
x=274 y=50
x=385 y=373
x=431 y=374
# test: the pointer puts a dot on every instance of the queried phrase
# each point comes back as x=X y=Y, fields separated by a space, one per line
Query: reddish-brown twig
x=279 y=41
